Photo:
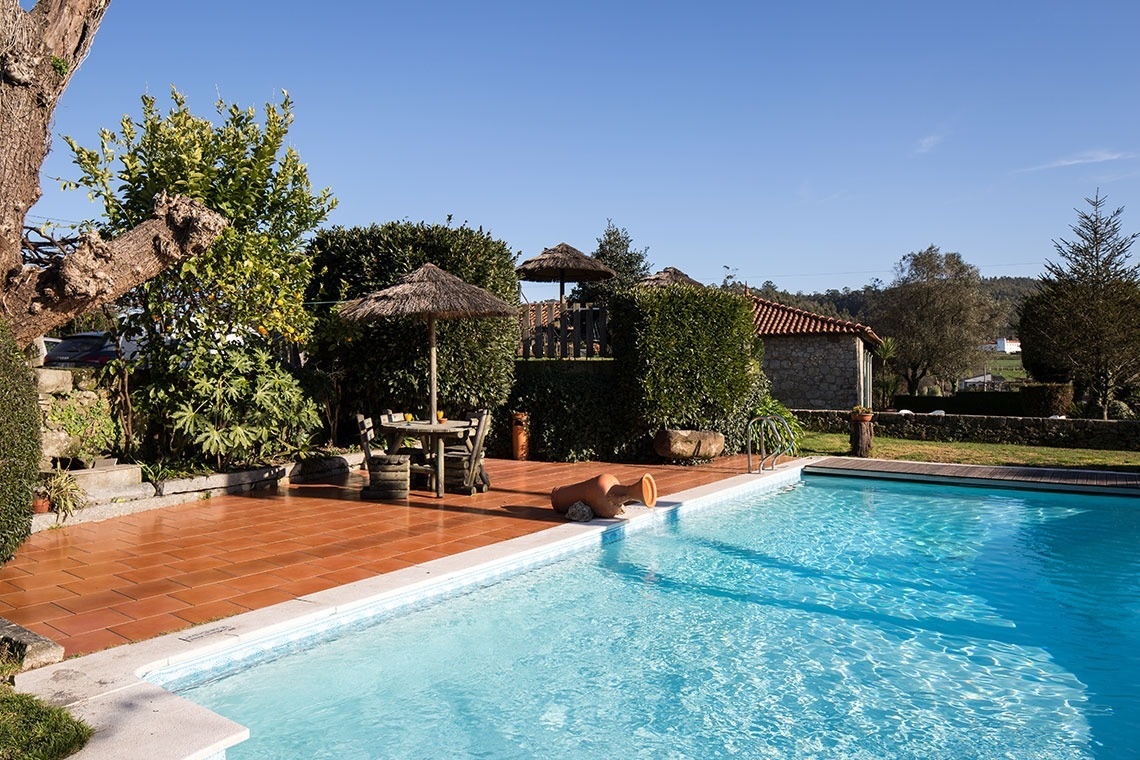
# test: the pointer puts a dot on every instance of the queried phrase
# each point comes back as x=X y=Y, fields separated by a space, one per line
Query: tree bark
x=862 y=438
x=36 y=299
x=40 y=51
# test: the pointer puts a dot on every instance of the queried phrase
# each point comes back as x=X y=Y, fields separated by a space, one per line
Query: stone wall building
x=813 y=361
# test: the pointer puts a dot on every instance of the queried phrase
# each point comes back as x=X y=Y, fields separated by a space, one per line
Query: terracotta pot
x=604 y=494
x=40 y=505
x=861 y=417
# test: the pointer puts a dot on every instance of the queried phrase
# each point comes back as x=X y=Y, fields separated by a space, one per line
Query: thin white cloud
x=1088 y=157
x=929 y=143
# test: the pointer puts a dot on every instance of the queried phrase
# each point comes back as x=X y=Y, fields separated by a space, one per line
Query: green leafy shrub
x=237 y=406
x=20 y=445
x=770 y=407
x=241 y=296
x=385 y=364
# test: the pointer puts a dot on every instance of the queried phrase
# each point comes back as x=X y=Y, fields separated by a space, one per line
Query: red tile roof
x=771 y=318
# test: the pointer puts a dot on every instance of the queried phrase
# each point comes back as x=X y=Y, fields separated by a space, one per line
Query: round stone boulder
x=688 y=444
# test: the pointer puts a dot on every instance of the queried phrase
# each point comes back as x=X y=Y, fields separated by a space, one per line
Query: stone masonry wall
x=60 y=388
x=814 y=371
x=1118 y=435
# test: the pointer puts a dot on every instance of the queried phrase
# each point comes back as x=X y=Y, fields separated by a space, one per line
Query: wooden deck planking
x=1091 y=481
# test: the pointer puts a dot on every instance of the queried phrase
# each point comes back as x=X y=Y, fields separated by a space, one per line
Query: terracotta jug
x=604 y=494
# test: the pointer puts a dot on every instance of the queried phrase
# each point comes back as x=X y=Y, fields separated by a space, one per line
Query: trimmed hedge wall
x=384 y=364
x=1040 y=400
x=1115 y=435
x=693 y=358
x=19 y=445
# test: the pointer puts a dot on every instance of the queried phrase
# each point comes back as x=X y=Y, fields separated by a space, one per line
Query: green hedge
x=578 y=410
x=20 y=445
x=1038 y=400
x=1047 y=399
x=693 y=358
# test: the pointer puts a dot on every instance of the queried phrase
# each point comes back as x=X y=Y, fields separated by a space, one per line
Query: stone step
x=120 y=493
x=104 y=477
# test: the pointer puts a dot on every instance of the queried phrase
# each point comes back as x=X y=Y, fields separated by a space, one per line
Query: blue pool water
x=834 y=619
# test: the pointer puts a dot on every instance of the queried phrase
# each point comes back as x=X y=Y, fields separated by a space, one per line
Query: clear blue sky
x=812 y=144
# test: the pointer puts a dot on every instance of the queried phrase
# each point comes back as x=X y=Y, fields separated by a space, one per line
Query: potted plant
x=861 y=413
x=41 y=504
x=63 y=492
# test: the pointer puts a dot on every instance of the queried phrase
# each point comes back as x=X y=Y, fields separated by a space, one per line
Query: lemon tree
x=233 y=305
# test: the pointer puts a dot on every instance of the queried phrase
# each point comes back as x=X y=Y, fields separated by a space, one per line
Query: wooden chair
x=366 y=436
x=464 y=470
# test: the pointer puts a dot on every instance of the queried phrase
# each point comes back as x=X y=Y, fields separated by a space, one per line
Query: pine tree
x=615 y=250
x=1087 y=314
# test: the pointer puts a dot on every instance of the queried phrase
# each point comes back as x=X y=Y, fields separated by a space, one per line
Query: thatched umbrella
x=669 y=276
x=429 y=293
x=561 y=263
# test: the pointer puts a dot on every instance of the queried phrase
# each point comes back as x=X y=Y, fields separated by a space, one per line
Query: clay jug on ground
x=605 y=494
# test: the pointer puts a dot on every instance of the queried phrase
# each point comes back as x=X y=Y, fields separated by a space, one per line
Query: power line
x=871 y=271
x=53 y=219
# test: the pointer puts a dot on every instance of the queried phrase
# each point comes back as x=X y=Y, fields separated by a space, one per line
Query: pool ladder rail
x=781 y=435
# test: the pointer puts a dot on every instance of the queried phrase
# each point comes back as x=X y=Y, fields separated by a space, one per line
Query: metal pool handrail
x=782 y=434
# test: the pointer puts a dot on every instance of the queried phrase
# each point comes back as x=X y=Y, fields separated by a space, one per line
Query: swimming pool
x=835 y=618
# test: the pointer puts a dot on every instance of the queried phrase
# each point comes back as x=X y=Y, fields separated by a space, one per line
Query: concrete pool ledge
x=135 y=718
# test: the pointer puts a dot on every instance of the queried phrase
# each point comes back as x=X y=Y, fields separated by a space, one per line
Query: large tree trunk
x=40 y=50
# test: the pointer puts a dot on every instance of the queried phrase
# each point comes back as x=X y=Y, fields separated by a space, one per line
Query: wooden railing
x=562 y=331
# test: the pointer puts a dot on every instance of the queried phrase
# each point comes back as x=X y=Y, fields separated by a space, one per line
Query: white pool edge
x=135 y=718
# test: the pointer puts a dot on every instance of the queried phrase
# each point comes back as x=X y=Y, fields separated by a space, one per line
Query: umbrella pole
x=434 y=419
x=431 y=343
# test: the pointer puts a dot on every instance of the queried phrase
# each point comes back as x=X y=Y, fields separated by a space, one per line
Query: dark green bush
x=20 y=445
x=1046 y=399
x=577 y=411
x=385 y=364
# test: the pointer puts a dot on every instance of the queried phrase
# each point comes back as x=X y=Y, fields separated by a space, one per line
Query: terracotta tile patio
x=90 y=586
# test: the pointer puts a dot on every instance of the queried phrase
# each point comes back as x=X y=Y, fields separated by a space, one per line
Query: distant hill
x=1008 y=293
x=855 y=305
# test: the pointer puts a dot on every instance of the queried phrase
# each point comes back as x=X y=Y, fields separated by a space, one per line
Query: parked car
x=89 y=349
x=39 y=350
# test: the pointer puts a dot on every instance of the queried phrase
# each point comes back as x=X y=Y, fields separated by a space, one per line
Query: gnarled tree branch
x=37 y=298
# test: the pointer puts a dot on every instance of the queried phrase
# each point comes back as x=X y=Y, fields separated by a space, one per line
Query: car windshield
x=79 y=344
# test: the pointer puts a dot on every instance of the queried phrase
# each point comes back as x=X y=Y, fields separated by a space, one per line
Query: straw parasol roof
x=563 y=263
x=429 y=293
x=669 y=276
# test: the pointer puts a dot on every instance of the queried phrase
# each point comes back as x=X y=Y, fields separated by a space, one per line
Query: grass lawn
x=838 y=444
x=32 y=729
